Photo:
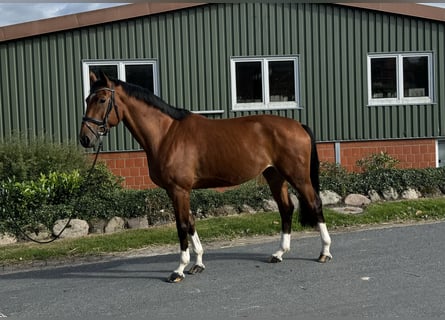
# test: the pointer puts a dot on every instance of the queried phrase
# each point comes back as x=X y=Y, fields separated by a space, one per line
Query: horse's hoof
x=324 y=258
x=274 y=259
x=175 y=277
x=196 y=269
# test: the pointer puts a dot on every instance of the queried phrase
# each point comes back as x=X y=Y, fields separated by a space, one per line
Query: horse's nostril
x=85 y=141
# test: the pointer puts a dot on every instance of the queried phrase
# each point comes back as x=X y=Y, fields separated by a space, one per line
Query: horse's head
x=99 y=116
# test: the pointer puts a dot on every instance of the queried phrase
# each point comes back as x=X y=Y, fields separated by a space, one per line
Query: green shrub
x=379 y=173
x=22 y=202
x=204 y=202
x=377 y=161
x=42 y=181
x=25 y=158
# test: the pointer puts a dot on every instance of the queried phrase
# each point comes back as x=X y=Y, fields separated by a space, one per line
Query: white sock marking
x=284 y=246
x=197 y=248
x=325 y=240
x=183 y=262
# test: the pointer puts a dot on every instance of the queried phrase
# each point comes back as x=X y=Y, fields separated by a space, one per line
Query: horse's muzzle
x=85 y=141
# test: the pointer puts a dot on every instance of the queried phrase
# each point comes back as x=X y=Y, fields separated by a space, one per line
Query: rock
x=270 y=205
x=433 y=192
x=295 y=200
x=390 y=194
x=163 y=217
x=356 y=200
x=374 y=196
x=247 y=209
x=39 y=233
x=6 y=238
x=97 y=226
x=115 y=224
x=137 y=223
x=76 y=228
x=329 y=197
x=225 y=210
x=348 y=210
x=411 y=194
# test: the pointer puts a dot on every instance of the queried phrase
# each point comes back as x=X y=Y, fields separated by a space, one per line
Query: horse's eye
x=102 y=100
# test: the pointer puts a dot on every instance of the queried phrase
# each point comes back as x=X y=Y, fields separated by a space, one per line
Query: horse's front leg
x=185 y=226
x=325 y=254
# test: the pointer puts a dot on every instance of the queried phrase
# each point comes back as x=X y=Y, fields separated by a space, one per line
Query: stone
x=411 y=193
x=348 y=210
x=225 y=210
x=76 y=228
x=137 y=222
x=356 y=200
x=39 y=233
x=295 y=200
x=329 y=197
x=163 y=217
x=270 y=205
x=390 y=194
x=6 y=238
x=374 y=196
x=115 y=224
x=247 y=209
x=97 y=226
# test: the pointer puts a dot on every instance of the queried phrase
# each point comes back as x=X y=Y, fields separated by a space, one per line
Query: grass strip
x=219 y=228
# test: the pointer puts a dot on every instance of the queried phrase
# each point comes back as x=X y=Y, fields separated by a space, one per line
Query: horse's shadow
x=150 y=267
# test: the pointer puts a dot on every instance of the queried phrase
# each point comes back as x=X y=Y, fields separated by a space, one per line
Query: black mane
x=147 y=96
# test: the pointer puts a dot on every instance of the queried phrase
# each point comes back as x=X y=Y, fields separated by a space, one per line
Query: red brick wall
x=130 y=165
x=326 y=152
x=420 y=153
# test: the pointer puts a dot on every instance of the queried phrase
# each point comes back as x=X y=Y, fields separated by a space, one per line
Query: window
x=261 y=83
x=140 y=72
x=400 y=78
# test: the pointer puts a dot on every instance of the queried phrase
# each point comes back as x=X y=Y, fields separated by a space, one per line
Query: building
x=366 y=77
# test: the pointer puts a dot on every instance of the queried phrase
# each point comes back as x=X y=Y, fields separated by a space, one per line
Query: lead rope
x=57 y=236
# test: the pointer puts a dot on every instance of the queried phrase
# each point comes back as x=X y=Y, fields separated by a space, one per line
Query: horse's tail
x=308 y=215
x=315 y=163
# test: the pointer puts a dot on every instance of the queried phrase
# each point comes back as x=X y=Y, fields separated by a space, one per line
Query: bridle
x=102 y=124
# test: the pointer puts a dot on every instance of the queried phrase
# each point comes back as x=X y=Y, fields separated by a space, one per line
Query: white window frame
x=120 y=64
x=266 y=104
x=401 y=99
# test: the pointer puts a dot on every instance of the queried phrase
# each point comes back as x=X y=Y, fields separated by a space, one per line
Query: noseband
x=103 y=128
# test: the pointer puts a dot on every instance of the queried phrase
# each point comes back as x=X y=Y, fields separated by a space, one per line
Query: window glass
x=281 y=81
x=141 y=75
x=415 y=76
x=249 y=86
x=384 y=78
x=400 y=78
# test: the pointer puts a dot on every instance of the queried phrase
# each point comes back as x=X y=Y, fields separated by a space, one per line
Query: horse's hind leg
x=198 y=267
x=311 y=214
x=279 y=189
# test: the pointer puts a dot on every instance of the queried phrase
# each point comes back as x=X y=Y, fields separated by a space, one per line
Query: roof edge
x=100 y=16
x=89 y=18
x=404 y=8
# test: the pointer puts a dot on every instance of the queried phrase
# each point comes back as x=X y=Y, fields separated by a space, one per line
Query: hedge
x=53 y=186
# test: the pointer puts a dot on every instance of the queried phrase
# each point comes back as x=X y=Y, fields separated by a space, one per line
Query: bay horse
x=187 y=151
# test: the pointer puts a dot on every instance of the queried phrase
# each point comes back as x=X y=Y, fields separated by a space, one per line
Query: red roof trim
x=84 y=19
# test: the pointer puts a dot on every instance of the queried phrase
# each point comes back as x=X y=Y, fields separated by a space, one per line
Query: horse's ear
x=103 y=76
x=93 y=77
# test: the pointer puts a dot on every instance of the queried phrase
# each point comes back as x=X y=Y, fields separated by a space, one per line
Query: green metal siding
x=41 y=80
